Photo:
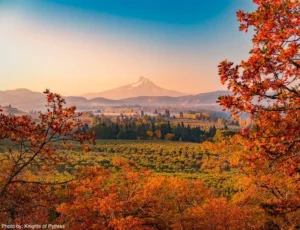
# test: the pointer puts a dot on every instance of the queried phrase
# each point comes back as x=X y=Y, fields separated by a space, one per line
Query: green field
x=162 y=157
x=168 y=158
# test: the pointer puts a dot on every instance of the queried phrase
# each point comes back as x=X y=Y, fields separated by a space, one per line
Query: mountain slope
x=11 y=110
x=23 y=99
x=209 y=98
x=26 y=100
x=143 y=87
x=203 y=98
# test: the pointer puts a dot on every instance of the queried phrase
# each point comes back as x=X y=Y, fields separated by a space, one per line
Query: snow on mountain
x=26 y=100
x=141 y=81
x=143 y=87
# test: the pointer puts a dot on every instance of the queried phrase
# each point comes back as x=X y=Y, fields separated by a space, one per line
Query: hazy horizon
x=85 y=93
x=75 y=48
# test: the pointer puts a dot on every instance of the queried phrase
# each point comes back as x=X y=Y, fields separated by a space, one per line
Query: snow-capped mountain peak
x=142 y=87
x=141 y=81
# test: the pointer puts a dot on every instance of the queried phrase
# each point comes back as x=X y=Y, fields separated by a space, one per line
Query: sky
x=75 y=47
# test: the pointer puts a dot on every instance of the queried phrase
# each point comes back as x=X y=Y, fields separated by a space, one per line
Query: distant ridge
x=143 y=87
x=26 y=100
x=10 y=110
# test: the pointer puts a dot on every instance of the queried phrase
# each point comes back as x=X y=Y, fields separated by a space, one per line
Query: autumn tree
x=127 y=197
x=28 y=167
x=150 y=134
x=170 y=136
x=266 y=86
x=158 y=134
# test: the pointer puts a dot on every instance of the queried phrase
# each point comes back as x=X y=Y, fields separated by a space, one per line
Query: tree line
x=135 y=130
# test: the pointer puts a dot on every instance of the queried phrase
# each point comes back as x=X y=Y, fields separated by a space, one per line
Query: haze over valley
x=141 y=93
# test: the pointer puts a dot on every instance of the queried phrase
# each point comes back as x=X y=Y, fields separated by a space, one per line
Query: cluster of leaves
x=267 y=87
x=126 y=198
x=32 y=155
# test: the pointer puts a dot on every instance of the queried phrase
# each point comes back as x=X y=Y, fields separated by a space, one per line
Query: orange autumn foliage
x=32 y=158
x=129 y=198
x=266 y=86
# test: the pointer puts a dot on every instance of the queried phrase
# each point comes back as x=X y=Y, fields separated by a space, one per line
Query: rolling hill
x=26 y=100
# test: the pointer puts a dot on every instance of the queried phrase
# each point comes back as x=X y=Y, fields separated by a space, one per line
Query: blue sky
x=165 y=11
x=177 y=44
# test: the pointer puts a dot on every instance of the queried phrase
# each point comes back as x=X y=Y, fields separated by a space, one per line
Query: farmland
x=161 y=157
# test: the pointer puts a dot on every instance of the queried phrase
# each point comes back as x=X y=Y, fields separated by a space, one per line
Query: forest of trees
x=155 y=127
x=265 y=157
x=132 y=130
